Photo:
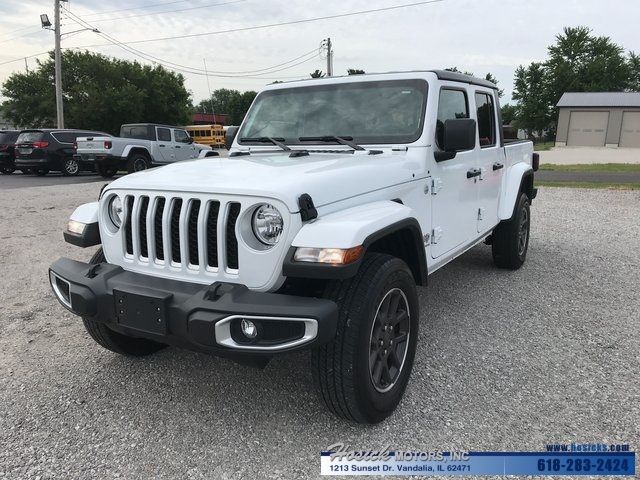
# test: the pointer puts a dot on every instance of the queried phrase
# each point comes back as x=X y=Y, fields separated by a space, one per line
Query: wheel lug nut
x=384 y=352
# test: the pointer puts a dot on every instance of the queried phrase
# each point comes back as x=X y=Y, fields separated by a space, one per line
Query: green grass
x=544 y=146
x=602 y=185
x=595 y=167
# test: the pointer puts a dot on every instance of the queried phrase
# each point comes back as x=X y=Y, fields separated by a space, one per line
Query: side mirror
x=459 y=135
x=230 y=136
x=190 y=141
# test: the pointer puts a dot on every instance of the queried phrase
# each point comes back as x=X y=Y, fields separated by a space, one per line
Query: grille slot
x=158 y=228
x=142 y=231
x=194 y=211
x=212 y=234
x=175 y=230
x=232 y=241
x=127 y=224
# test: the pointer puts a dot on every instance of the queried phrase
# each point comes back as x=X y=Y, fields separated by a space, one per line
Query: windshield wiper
x=276 y=141
x=333 y=138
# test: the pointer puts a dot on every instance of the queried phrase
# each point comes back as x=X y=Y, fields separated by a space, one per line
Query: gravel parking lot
x=506 y=361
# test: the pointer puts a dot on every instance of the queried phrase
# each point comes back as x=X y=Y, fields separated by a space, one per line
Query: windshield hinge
x=307 y=208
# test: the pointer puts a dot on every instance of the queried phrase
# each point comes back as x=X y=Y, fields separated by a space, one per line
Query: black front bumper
x=196 y=317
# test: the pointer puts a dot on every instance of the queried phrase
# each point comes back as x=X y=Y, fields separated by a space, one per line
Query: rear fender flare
x=518 y=179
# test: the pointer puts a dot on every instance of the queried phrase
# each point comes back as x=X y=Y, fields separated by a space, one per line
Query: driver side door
x=184 y=147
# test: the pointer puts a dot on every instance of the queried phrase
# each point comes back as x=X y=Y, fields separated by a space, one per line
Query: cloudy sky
x=475 y=35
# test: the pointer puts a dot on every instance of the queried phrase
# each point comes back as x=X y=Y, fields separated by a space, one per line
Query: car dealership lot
x=505 y=361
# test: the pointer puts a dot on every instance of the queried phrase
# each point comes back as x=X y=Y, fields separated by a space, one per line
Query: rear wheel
x=138 y=162
x=114 y=341
x=26 y=171
x=362 y=374
x=7 y=170
x=105 y=171
x=70 y=167
x=40 y=172
x=510 y=240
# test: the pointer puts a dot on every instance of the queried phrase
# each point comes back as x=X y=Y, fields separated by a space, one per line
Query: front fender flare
x=88 y=215
x=361 y=225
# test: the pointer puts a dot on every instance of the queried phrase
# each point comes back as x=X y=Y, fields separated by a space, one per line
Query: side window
x=65 y=137
x=452 y=105
x=181 y=136
x=164 y=135
x=486 y=119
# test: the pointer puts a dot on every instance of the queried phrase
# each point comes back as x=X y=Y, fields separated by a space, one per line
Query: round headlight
x=267 y=224
x=115 y=211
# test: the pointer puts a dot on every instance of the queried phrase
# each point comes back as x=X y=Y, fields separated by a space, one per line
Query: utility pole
x=213 y=113
x=58 y=66
x=329 y=58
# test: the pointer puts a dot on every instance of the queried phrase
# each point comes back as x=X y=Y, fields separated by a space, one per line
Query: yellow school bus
x=212 y=135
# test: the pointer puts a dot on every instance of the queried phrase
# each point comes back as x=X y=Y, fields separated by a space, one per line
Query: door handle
x=497 y=166
x=162 y=146
x=474 y=172
x=178 y=146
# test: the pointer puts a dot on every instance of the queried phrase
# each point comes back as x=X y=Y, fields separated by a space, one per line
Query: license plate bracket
x=146 y=313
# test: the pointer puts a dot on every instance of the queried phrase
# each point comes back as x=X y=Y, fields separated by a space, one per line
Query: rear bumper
x=101 y=159
x=33 y=162
x=196 y=317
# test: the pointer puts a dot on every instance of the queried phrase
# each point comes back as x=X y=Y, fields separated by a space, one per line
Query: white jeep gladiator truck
x=139 y=146
x=341 y=195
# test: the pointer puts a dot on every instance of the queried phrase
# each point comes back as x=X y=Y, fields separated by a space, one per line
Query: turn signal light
x=332 y=256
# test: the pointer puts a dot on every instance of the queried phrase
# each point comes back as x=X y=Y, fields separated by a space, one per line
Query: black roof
x=441 y=74
x=147 y=125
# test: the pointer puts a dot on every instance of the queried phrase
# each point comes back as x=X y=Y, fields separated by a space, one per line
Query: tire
x=7 y=170
x=26 y=171
x=114 y=341
x=40 y=172
x=347 y=370
x=138 y=162
x=70 y=167
x=510 y=240
x=106 y=172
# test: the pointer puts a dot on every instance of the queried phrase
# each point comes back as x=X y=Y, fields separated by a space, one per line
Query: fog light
x=249 y=328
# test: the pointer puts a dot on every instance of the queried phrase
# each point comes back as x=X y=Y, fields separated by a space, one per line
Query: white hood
x=326 y=177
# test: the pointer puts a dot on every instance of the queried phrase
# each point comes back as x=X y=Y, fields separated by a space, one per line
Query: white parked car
x=139 y=146
x=340 y=196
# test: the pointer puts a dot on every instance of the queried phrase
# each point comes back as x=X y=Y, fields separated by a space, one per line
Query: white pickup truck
x=341 y=196
x=139 y=146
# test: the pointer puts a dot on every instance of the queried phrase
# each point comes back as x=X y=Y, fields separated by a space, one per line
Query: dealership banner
x=599 y=460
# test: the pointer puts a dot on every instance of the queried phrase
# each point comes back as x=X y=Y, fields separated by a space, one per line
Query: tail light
x=107 y=144
x=40 y=144
x=3 y=146
x=75 y=145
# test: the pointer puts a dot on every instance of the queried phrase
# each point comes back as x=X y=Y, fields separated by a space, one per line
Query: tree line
x=101 y=93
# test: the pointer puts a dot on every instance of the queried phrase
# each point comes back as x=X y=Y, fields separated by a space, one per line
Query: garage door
x=630 y=136
x=588 y=129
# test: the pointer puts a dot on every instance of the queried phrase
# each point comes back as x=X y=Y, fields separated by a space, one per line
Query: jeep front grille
x=181 y=232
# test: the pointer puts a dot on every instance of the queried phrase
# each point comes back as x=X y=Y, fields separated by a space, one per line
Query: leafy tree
x=100 y=93
x=455 y=70
x=355 y=71
x=231 y=102
x=317 y=74
x=578 y=61
x=508 y=114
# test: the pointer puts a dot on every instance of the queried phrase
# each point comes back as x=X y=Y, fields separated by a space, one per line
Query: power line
x=103 y=20
x=141 y=7
x=271 y=25
x=20 y=36
x=187 y=69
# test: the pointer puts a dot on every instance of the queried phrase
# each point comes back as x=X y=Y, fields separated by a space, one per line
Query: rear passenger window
x=452 y=105
x=486 y=119
x=65 y=137
x=164 y=135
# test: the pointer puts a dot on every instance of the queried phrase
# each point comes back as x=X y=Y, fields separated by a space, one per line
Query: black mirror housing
x=230 y=136
x=459 y=135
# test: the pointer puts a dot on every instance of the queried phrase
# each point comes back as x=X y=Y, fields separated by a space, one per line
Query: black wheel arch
x=402 y=239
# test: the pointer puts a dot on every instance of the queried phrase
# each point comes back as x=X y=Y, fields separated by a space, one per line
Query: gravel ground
x=506 y=361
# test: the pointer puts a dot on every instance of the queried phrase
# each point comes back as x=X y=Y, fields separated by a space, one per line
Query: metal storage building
x=599 y=119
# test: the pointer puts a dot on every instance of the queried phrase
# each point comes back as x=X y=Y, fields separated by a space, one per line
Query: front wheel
x=70 y=167
x=105 y=171
x=114 y=341
x=7 y=170
x=510 y=240
x=362 y=374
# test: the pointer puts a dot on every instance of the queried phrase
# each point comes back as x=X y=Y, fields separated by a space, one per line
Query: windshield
x=369 y=112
